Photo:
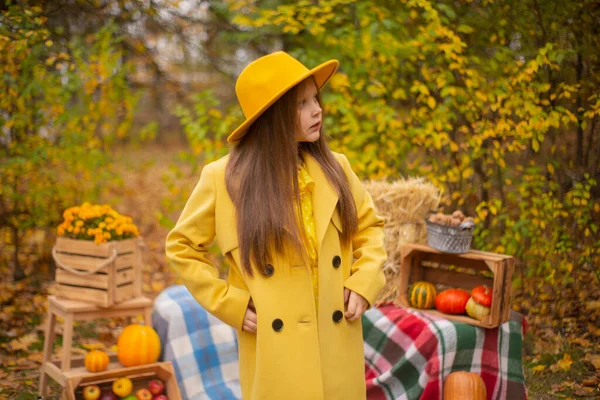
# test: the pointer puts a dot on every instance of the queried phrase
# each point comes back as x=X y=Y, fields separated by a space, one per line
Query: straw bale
x=404 y=204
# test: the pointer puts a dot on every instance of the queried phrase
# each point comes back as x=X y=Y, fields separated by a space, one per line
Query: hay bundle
x=404 y=205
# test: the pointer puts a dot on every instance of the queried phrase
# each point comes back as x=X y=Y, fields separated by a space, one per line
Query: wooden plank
x=455 y=279
x=126 y=245
x=404 y=273
x=96 y=296
x=471 y=255
x=452 y=259
x=510 y=268
x=86 y=247
x=416 y=270
x=497 y=291
x=112 y=283
x=172 y=387
x=85 y=307
x=126 y=261
x=125 y=276
x=123 y=293
x=55 y=373
x=88 y=263
x=139 y=265
x=83 y=263
x=99 y=281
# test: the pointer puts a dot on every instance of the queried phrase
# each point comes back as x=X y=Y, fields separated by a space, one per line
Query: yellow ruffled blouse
x=306 y=185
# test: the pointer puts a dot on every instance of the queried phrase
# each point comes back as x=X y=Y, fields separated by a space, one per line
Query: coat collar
x=324 y=197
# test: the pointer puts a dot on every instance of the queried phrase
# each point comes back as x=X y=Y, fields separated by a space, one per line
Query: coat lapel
x=324 y=197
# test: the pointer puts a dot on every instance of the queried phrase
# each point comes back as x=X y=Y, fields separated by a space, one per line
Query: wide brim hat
x=266 y=79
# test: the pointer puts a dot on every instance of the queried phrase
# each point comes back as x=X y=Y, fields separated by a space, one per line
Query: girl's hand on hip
x=356 y=305
x=249 y=324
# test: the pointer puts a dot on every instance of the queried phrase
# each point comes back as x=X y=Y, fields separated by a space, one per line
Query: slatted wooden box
x=139 y=375
x=423 y=263
x=104 y=274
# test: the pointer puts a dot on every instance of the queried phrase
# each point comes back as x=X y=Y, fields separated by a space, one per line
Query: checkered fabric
x=203 y=349
x=408 y=354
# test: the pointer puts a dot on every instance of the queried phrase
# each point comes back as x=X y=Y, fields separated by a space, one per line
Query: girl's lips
x=317 y=125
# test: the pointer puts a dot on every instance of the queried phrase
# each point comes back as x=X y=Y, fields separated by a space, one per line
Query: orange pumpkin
x=463 y=385
x=96 y=361
x=138 y=345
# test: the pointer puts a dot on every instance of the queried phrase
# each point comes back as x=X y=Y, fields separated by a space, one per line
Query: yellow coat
x=296 y=353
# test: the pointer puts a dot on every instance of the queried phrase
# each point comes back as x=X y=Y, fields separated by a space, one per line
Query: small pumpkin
x=479 y=305
x=138 y=345
x=96 y=361
x=422 y=295
x=461 y=385
x=482 y=295
x=452 y=301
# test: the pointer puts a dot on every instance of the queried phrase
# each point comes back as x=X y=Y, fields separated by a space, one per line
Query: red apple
x=108 y=395
x=156 y=387
x=91 y=392
x=160 y=397
x=143 y=394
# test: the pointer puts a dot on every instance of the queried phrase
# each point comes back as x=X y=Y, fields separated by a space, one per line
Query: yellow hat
x=266 y=79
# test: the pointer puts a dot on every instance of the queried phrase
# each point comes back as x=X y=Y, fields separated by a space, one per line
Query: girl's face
x=309 y=112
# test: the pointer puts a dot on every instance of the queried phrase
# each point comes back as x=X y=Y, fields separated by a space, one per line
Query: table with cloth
x=408 y=354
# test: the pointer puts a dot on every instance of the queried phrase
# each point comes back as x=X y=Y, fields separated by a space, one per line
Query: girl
x=300 y=232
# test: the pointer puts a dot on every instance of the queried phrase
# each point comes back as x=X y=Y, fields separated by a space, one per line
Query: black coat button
x=337 y=261
x=270 y=270
x=277 y=325
x=337 y=316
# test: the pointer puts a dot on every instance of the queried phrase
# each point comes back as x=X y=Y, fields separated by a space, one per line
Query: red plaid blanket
x=408 y=354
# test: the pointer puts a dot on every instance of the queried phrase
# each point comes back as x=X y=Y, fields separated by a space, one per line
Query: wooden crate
x=424 y=263
x=140 y=375
x=104 y=274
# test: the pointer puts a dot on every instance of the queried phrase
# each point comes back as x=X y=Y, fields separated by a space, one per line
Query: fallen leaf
x=593 y=329
x=592 y=305
x=556 y=388
x=79 y=351
x=538 y=368
x=565 y=363
x=37 y=357
x=581 y=341
x=594 y=359
x=593 y=381
x=584 y=391
x=23 y=342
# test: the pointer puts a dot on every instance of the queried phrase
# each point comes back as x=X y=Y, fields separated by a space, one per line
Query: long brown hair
x=262 y=181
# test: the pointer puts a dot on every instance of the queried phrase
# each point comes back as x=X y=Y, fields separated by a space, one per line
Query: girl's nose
x=317 y=109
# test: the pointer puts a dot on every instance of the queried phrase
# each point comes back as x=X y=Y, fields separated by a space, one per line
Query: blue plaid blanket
x=203 y=349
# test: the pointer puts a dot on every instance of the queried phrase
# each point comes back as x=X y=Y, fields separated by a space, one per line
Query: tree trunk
x=18 y=272
x=590 y=143
x=579 y=156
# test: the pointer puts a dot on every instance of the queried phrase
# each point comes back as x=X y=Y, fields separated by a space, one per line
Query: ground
x=561 y=350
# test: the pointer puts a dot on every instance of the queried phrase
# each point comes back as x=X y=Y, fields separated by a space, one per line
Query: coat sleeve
x=367 y=277
x=186 y=249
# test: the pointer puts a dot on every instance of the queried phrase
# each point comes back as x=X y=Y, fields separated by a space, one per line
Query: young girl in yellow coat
x=304 y=243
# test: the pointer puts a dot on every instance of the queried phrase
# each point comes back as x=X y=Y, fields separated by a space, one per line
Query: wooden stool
x=70 y=311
